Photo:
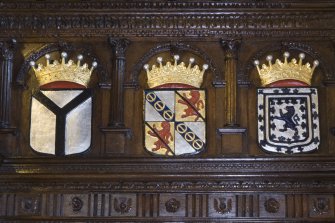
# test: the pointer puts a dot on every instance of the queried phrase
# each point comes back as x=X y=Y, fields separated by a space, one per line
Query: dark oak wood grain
x=116 y=180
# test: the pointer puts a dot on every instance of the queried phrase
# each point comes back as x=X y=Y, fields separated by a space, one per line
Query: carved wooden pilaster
x=7 y=54
x=115 y=133
x=230 y=48
x=119 y=62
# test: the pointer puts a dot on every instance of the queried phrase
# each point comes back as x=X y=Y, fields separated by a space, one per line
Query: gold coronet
x=175 y=73
x=285 y=70
x=63 y=71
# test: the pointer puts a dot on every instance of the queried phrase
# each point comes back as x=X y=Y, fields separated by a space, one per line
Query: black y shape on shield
x=61 y=114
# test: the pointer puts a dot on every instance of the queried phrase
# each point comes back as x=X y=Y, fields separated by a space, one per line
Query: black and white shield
x=288 y=120
x=60 y=122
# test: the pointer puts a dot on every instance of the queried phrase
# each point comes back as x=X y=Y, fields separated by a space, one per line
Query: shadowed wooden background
x=116 y=180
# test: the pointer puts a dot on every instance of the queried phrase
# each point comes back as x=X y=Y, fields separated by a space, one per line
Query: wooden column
x=230 y=48
x=231 y=132
x=115 y=134
x=7 y=53
x=116 y=119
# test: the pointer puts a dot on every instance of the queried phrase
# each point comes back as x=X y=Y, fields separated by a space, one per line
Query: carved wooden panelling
x=114 y=178
x=149 y=206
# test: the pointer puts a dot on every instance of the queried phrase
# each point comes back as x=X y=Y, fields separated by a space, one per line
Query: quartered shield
x=174 y=121
x=61 y=121
x=288 y=119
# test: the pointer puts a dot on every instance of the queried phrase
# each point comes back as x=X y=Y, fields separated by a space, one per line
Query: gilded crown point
x=64 y=54
x=286 y=54
x=64 y=71
x=302 y=56
x=174 y=73
x=284 y=70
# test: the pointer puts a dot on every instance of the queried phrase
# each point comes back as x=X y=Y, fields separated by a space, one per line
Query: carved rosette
x=77 y=204
x=172 y=205
x=271 y=205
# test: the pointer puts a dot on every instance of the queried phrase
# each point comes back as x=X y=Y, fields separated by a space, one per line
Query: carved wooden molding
x=272 y=167
x=159 y=5
x=203 y=23
x=219 y=185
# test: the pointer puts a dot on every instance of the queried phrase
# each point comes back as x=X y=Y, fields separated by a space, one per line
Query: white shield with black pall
x=61 y=109
x=61 y=121
x=288 y=120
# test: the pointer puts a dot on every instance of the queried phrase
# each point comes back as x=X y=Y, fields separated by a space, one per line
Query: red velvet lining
x=288 y=83
x=175 y=85
x=62 y=84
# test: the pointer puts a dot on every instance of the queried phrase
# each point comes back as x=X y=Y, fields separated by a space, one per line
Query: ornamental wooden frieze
x=61 y=109
x=288 y=116
x=175 y=109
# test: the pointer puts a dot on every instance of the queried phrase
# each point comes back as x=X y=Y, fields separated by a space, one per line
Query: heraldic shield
x=287 y=107
x=175 y=121
x=61 y=109
x=174 y=109
x=288 y=119
x=56 y=124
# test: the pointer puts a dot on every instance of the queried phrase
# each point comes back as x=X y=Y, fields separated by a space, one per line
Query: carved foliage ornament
x=122 y=205
x=223 y=205
x=321 y=205
x=30 y=205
